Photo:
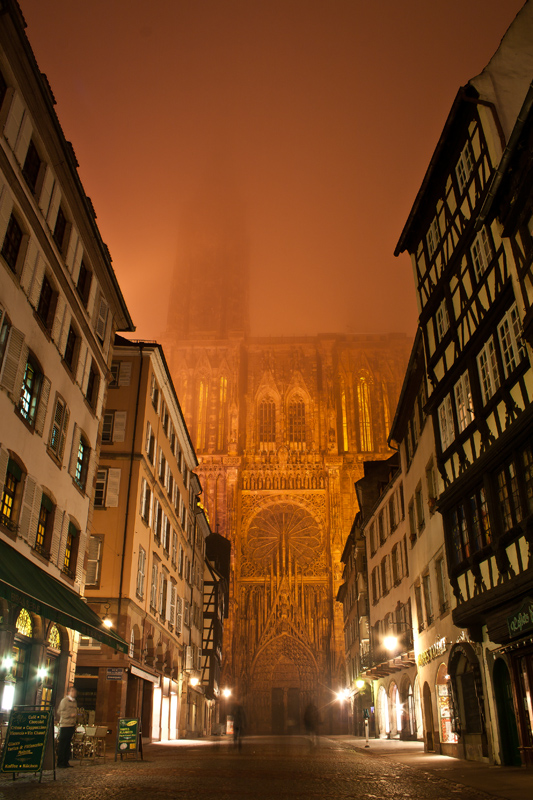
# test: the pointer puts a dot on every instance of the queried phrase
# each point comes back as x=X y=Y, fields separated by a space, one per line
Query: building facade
x=60 y=306
x=469 y=237
x=146 y=556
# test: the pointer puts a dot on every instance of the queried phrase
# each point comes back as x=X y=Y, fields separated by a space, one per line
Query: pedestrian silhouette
x=239 y=724
x=311 y=722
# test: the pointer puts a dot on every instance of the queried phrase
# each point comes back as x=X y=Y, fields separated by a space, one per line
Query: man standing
x=68 y=713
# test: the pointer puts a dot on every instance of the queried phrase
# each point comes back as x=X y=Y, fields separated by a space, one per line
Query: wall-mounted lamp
x=194 y=681
x=226 y=692
x=360 y=683
x=107 y=621
x=42 y=672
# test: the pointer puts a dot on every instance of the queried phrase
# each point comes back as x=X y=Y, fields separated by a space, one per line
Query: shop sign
x=432 y=652
x=522 y=621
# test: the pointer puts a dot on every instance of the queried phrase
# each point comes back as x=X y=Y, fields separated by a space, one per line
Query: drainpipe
x=132 y=454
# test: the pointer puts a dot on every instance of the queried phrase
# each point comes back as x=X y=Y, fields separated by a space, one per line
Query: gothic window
x=201 y=425
x=365 y=418
x=344 y=416
x=24 y=624
x=296 y=422
x=386 y=408
x=267 y=424
x=222 y=404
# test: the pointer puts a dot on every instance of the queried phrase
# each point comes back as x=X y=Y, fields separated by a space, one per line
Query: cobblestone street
x=267 y=767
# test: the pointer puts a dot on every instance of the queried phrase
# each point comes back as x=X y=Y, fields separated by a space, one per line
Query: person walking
x=239 y=724
x=68 y=714
x=311 y=722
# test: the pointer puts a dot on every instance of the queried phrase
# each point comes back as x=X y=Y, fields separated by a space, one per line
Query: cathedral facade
x=281 y=428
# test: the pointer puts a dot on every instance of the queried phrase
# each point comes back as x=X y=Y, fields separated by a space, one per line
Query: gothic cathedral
x=281 y=428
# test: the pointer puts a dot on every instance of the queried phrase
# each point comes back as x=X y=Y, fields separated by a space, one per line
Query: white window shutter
x=179 y=616
x=119 y=428
x=30 y=265
x=14 y=120
x=64 y=431
x=124 y=378
x=23 y=140
x=143 y=498
x=148 y=437
x=12 y=360
x=29 y=515
x=51 y=217
x=37 y=282
x=71 y=250
x=63 y=541
x=46 y=191
x=93 y=560
x=81 y=363
x=57 y=325
x=90 y=472
x=189 y=657
x=74 y=452
x=67 y=318
x=113 y=487
x=43 y=406
x=101 y=318
x=59 y=517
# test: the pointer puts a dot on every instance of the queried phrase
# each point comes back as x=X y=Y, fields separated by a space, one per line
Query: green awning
x=23 y=583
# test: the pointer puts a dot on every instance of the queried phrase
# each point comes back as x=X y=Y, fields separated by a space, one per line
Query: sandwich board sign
x=29 y=743
x=129 y=739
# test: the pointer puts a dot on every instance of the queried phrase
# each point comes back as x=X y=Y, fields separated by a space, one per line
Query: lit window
x=29 y=396
x=71 y=550
x=10 y=495
x=24 y=624
x=82 y=463
x=463 y=402
x=44 y=527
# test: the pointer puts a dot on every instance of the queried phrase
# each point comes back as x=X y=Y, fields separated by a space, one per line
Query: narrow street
x=275 y=767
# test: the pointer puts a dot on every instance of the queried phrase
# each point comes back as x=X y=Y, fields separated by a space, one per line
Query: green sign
x=521 y=622
x=128 y=737
x=26 y=739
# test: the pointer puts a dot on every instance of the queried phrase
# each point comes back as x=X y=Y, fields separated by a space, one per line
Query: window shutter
x=51 y=217
x=80 y=563
x=71 y=250
x=6 y=207
x=30 y=265
x=59 y=517
x=93 y=560
x=124 y=377
x=29 y=515
x=189 y=657
x=90 y=472
x=46 y=192
x=119 y=429
x=199 y=667
x=101 y=319
x=63 y=439
x=23 y=140
x=171 y=613
x=148 y=437
x=81 y=363
x=179 y=615
x=143 y=498
x=37 y=282
x=43 y=406
x=12 y=360
x=186 y=612
x=4 y=459
x=74 y=452
x=57 y=325
x=113 y=488
x=63 y=541
x=14 y=120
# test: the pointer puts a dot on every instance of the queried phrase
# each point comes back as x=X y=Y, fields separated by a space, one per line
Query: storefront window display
x=445 y=708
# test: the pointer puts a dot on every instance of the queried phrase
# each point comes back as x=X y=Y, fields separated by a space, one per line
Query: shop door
x=506 y=716
x=428 y=718
x=278 y=712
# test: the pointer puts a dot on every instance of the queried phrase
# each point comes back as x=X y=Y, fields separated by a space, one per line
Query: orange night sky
x=317 y=117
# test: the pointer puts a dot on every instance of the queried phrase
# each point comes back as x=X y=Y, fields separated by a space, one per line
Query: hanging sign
x=521 y=621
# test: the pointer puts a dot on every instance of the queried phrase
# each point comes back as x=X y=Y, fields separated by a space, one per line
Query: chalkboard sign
x=129 y=740
x=29 y=738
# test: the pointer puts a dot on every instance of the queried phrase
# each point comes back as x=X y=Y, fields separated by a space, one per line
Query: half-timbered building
x=470 y=247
